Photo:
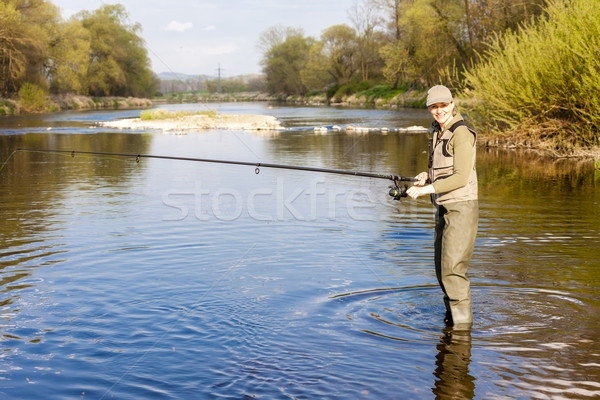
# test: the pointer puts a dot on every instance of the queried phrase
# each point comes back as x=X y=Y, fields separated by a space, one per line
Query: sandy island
x=192 y=122
x=171 y=122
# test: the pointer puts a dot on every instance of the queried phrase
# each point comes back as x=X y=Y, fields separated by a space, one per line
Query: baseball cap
x=438 y=94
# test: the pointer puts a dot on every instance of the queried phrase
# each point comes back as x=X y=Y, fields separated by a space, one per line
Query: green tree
x=315 y=74
x=283 y=63
x=42 y=19
x=27 y=27
x=340 y=49
x=70 y=59
x=13 y=61
x=433 y=35
x=119 y=63
x=438 y=40
x=397 y=65
x=394 y=52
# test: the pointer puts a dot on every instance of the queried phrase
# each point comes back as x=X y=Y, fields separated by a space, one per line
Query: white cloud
x=209 y=28
x=175 y=26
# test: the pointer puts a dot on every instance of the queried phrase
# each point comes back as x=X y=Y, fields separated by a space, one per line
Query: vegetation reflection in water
x=327 y=291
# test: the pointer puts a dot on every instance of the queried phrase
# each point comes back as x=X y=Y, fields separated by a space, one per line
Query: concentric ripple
x=533 y=340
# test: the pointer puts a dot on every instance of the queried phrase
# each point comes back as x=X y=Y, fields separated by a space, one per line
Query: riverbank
x=57 y=103
x=412 y=99
x=542 y=147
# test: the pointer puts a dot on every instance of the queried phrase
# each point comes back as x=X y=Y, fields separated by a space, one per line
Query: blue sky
x=194 y=37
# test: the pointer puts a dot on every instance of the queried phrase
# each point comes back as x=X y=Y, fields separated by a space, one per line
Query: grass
x=385 y=92
x=160 y=114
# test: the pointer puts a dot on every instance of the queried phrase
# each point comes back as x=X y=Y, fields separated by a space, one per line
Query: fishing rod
x=395 y=191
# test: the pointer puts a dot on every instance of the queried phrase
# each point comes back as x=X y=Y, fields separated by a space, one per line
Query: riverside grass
x=540 y=85
x=161 y=114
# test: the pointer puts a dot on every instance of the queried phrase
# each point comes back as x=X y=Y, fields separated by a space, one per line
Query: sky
x=198 y=37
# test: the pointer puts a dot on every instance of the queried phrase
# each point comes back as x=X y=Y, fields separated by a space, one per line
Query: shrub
x=33 y=98
x=543 y=80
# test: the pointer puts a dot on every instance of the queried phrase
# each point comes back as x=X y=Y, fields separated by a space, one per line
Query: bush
x=543 y=81
x=33 y=98
x=384 y=92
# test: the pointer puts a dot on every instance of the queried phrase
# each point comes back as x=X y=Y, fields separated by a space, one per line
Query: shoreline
x=70 y=102
x=495 y=141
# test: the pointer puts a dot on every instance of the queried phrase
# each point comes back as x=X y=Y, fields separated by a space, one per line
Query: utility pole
x=219 y=79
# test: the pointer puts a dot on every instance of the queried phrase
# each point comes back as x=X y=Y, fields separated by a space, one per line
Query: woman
x=452 y=183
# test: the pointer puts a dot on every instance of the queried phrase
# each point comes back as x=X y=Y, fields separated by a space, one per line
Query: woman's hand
x=419 y=189
x=421 y=179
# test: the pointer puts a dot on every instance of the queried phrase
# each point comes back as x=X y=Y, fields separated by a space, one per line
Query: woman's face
x=441 y=112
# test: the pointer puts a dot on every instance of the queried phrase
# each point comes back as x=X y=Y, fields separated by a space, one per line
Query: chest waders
x=456 y=219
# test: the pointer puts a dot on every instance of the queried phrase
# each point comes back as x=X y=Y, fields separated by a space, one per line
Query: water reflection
x=453 y=378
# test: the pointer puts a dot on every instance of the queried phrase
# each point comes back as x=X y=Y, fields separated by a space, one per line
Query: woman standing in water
x=452 y=183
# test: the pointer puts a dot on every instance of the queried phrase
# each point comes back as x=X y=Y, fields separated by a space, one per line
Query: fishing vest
x=441 y=165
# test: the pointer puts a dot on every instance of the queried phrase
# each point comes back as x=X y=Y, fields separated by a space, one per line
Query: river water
x=164 y=279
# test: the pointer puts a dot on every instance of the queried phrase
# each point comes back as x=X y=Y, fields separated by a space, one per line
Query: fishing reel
x=398 y=192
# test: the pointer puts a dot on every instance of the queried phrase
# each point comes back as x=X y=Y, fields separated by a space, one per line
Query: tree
x=119 y=63
x=26 y=29
x=13 y=61
x=274 y=36
x=340 y=49
x=394 y=52
x=282 y=65
x=315 y=74
x=369 y=40
x=434 y=40
x=70 y=59
x=397 y=64
x=42 y=19
x=392 y=11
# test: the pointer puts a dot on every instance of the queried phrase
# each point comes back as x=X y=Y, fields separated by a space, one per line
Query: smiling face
x=442 y=112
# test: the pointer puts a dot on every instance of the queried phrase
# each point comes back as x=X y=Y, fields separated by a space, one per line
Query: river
x=165 y=279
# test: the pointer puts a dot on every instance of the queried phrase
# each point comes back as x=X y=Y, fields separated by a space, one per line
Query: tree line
x=207 y=84
x=401 y=43
x=95 y=53
x=528 y=71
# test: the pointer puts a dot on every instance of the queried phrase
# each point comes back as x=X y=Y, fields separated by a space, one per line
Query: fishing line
x=8 y=159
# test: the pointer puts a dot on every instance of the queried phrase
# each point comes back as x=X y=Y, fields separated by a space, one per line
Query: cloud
x=175 y=26
x=209 y=28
